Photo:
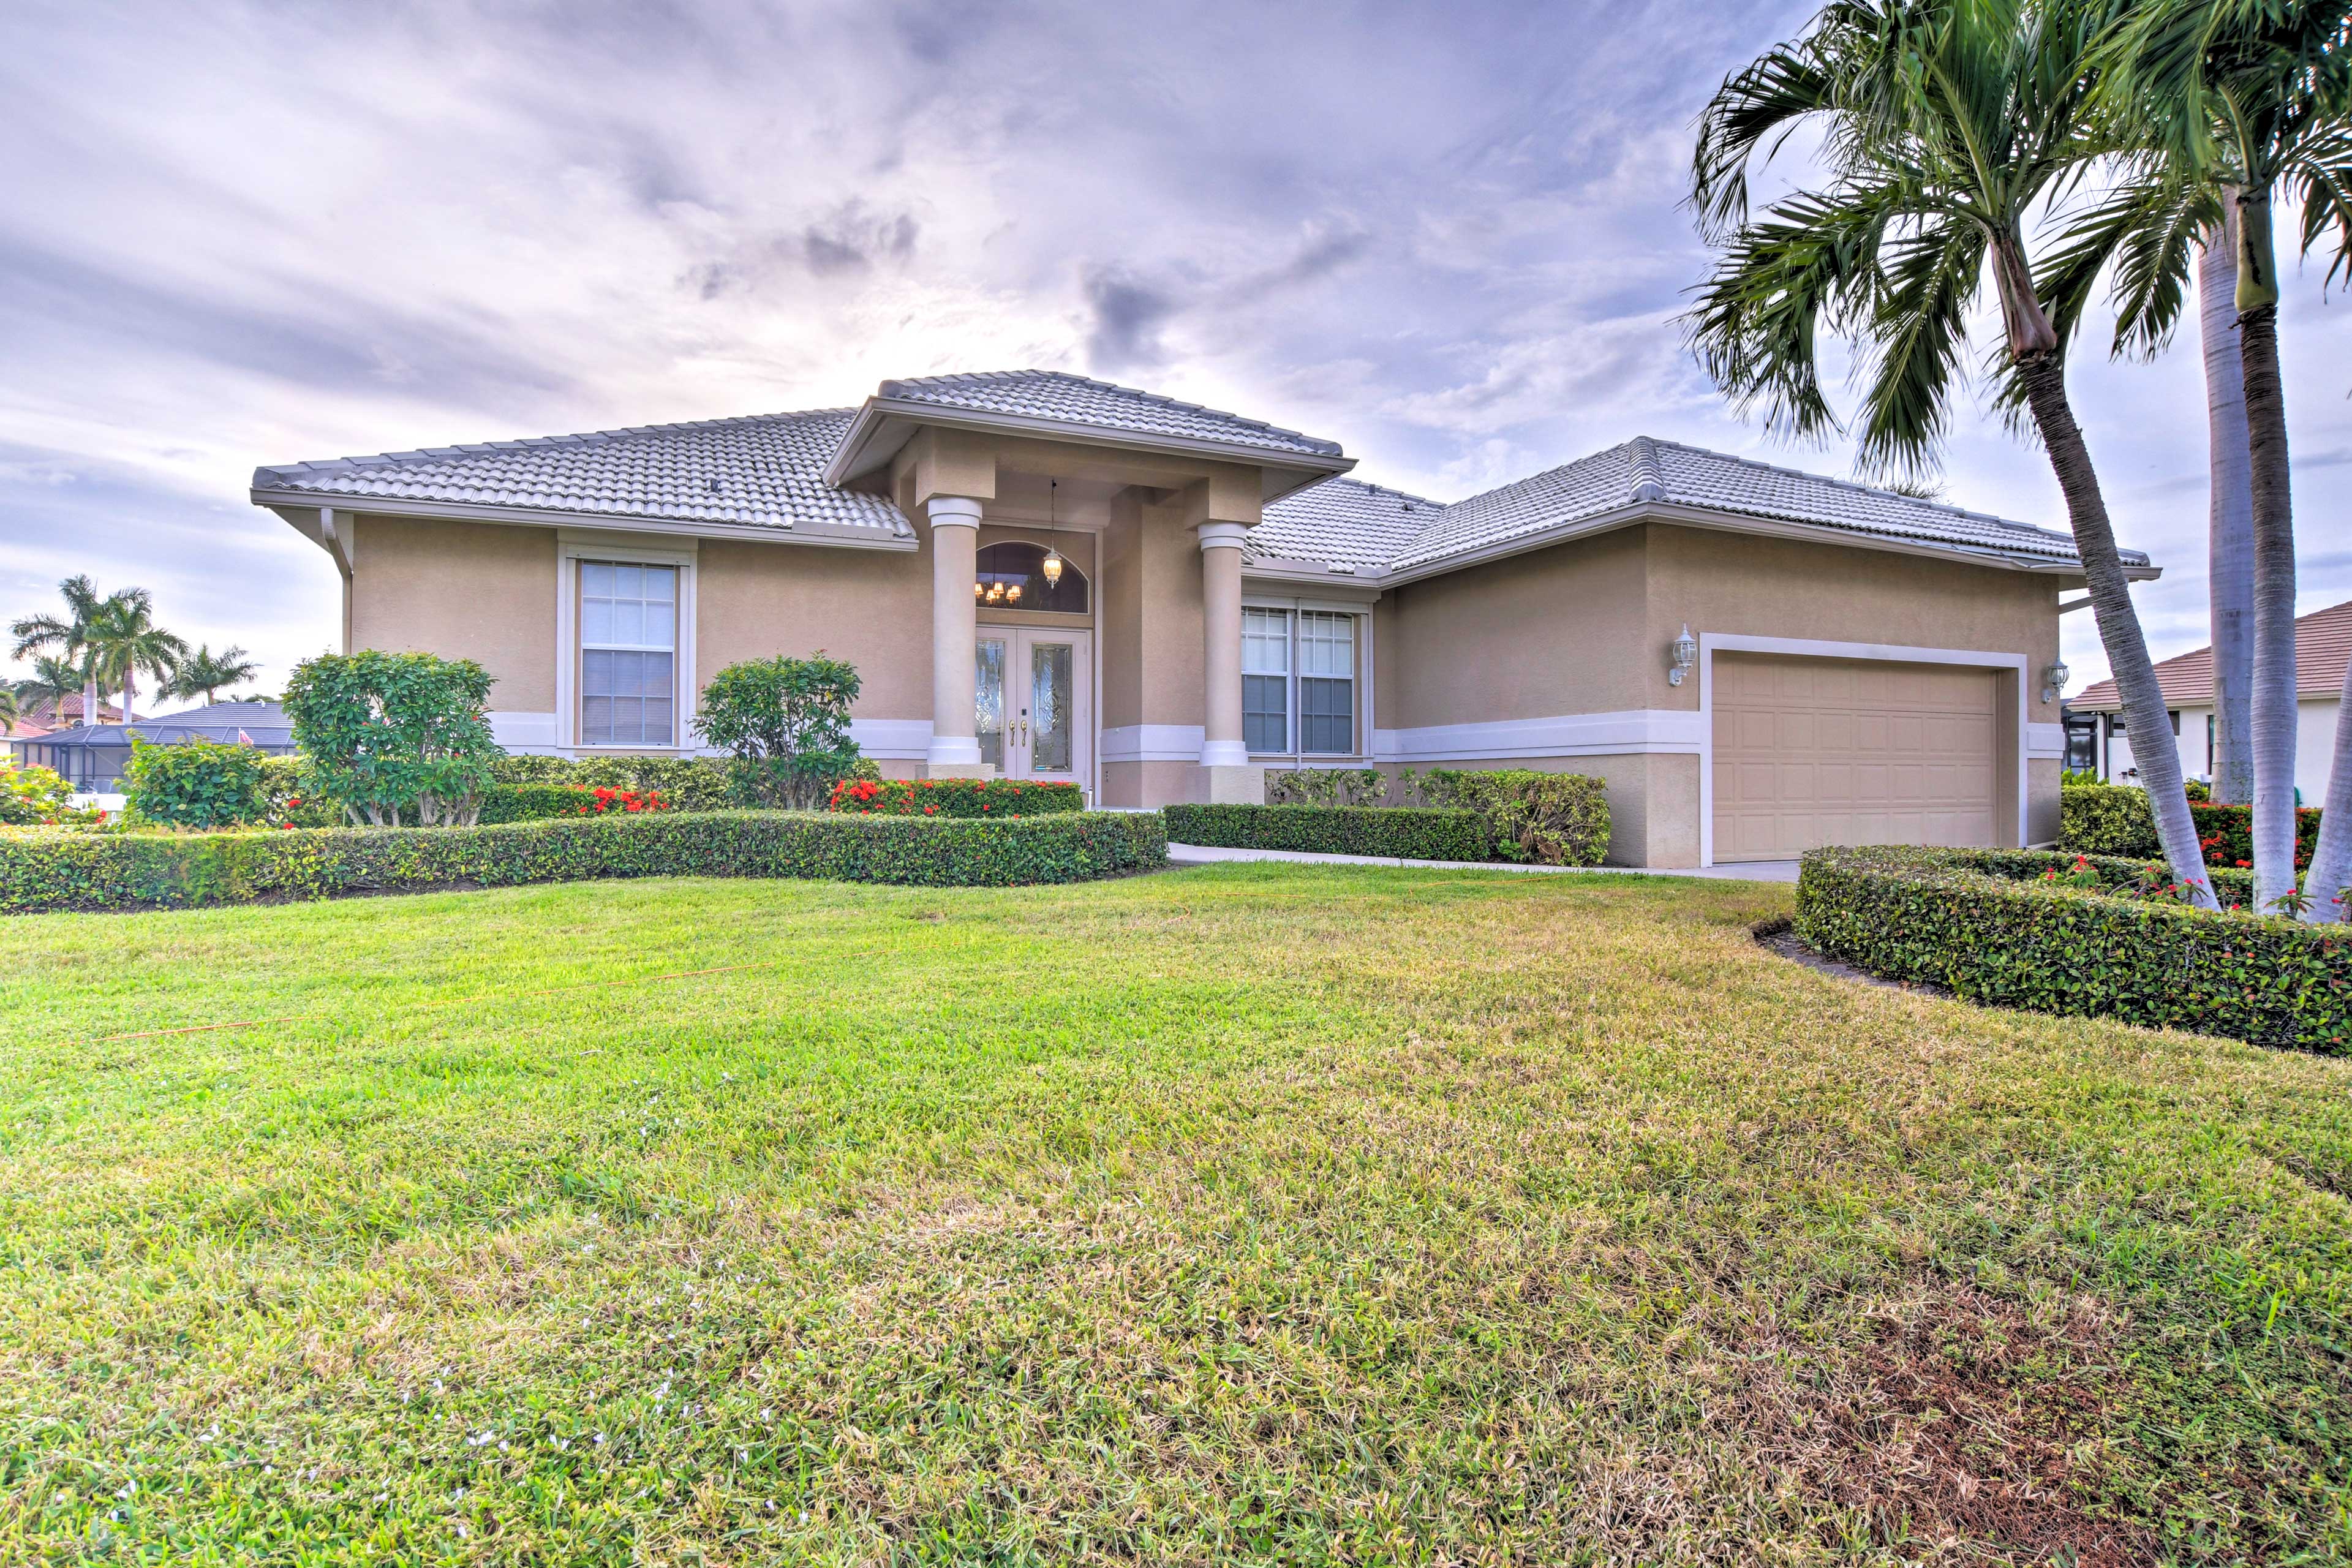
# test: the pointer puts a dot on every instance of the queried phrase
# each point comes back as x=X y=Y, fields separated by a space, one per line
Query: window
x=1326 y=683
x=1265 y=680
x=1011 y=577
x=628 y=654
x=1299 y=665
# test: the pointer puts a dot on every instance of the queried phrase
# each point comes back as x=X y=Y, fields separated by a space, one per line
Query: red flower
x=930 y=811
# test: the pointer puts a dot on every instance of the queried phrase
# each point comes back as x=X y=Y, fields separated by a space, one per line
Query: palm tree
x=205 y=672
x=10 y=711
x=53 y=680
x=67 y=636
x=125 y=639
x=2250 y=97
x=1946 y=125
x=2229 y=513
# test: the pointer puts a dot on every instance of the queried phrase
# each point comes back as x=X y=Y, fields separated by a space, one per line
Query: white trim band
x=1632 y=731
x=1153 y=744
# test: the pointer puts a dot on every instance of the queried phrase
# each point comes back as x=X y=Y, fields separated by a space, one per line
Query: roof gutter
x=1741 y=522
x=870 y=425
x=620 y=522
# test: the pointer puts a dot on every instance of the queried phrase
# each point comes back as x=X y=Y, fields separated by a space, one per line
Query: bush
x=32 y=797
x=1326 y=786
x=103 y=872
x=1981 y=923
x=1554 y=819
x=535 y=803
x=392 y=735
x=954 y=797
x=195 y=783
x=787 y=723
x=1403 y=833
x=2114 y=819
x=686 y=784
x=291 y=796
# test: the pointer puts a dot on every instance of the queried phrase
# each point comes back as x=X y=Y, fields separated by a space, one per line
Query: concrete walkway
x=1747 y=871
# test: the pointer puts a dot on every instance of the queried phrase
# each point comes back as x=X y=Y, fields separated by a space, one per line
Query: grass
x=1257 y=1214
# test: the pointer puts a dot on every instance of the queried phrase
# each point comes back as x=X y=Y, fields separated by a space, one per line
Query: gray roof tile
x=1342 y=523
x=763 y=471
x=1077 y=400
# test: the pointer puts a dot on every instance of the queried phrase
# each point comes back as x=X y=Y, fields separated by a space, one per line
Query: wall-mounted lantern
x=2054 y=680
x=1685 y=654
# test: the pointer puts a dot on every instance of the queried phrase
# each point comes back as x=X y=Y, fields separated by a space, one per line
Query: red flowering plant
x=954 y=797
x=605 y=799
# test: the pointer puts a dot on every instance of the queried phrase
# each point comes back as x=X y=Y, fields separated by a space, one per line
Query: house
x=1040 y=575
x=45 y=714
x=91 y=757
x=2322 y=646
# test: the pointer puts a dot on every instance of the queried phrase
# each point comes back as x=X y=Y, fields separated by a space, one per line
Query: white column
x=955 y=536
x=1220 y=624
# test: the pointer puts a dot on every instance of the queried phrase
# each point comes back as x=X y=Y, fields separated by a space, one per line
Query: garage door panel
x=1810 y=751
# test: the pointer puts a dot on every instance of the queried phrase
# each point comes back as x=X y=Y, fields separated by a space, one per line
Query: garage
x=1810 y=752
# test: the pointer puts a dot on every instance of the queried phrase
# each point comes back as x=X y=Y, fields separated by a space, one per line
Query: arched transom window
x=1013 y=576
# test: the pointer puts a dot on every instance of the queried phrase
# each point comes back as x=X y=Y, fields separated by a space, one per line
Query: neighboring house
x=43 y=715
x=1040 y=575
x=2323 y=643
x=91 y=757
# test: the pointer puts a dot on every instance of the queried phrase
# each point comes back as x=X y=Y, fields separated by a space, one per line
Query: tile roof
x=1343 y=524
x=1076 y=400
x=763 y=470
x=2323 y=647
x=1644 y=469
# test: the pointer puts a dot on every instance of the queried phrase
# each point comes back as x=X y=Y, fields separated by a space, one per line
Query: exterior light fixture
x=2054 y=680
x=1053 y=556
x=1685 y=654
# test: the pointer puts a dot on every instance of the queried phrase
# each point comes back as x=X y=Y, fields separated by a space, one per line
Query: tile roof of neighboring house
x=1077 y=400
x=1647 y=470
x=2322 y=646
x=763 y=470
x=58 y=712
x=1341 y=523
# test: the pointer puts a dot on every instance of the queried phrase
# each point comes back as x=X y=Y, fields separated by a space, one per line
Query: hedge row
x=1405 y=833
x=537 y=802
x=2114 y=819
x=954 y=797
x=690 y=783
x=57 y=871
x=1982 y=924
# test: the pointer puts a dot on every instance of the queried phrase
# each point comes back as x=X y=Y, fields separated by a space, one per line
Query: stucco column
x=955 y=537
x=1221 y=663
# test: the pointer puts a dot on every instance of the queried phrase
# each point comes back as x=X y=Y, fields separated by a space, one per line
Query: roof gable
x=1059 y=397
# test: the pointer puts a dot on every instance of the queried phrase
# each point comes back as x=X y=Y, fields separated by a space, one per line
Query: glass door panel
x=988 y=709
x=1050 y=730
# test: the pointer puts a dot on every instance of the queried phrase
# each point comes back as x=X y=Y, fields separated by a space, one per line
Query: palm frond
x=1918 y=331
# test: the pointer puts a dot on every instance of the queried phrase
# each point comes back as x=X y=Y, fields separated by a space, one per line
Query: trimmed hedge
x=1979 y=922
x=1405 y=833
x=537 y=802
x=688 y=783
x=57 y=871
x=1553 y=819
x=954 y=797
x=2114 y=819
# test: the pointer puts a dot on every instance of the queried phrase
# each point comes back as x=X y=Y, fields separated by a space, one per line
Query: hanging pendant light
x=1052 y=555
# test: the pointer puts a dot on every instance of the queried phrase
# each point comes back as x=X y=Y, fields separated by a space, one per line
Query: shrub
x=102 y=871
x=787 y=723
x=1405 y=833
x=1326 y=786
x=1555 y=819
x=392 y=735
x=1977 y=921
x=954 y=797
x=291 y=796
x=195 y=783
x=32 y=797
x=686 y=784
x=534 y=803
x=2114 y=819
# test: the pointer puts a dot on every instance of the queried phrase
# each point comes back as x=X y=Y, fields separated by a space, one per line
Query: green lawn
x=1240 y=1214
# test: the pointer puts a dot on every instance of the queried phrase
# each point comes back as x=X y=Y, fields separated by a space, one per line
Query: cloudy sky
x=1445 y=236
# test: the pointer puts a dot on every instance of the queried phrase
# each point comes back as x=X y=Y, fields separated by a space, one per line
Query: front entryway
x=1033 y=708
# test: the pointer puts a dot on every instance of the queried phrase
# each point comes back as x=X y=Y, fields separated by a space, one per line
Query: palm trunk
x=2229 y=517
x=90 y=699
x=130 y=694
x=2331 y=858
x=2119 y=631
x=2273 y=520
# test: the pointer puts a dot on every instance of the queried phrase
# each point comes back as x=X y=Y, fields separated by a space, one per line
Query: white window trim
x=1712 y=643
x=1360 y=728
x=571 y=549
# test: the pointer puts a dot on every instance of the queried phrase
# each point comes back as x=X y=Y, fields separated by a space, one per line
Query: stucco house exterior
x=1043 y=575
x=2322 y=646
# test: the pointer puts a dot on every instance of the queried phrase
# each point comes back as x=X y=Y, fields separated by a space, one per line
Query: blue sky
x=1447 y=237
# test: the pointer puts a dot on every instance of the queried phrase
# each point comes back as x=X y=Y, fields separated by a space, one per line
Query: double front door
x=1035 y=714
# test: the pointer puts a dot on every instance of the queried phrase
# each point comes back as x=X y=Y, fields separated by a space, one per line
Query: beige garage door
x=1833 y=751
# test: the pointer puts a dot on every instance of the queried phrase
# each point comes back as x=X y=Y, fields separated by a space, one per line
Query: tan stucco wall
x=1151 y=616
x=871 y=607
x=463 y=590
